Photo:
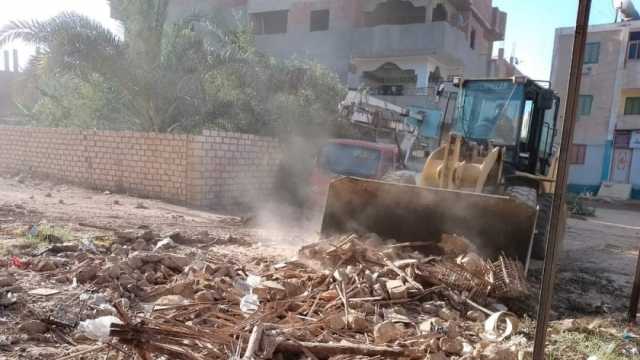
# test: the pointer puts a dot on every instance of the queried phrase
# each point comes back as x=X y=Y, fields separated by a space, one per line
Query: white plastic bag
x=98 y=329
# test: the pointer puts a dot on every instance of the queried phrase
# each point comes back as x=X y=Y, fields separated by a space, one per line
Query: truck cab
x=356 y=158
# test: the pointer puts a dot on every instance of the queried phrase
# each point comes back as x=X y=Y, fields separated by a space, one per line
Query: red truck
x=347 y=157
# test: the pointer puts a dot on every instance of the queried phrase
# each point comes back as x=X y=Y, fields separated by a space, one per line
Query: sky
x=530 y=24
x=531 y=28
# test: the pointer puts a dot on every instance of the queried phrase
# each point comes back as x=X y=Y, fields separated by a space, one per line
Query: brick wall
x=216 y=169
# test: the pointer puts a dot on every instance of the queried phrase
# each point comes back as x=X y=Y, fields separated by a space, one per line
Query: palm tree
x=171 y=77
x=73 y=44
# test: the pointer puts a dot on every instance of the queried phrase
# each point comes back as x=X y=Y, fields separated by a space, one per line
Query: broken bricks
x=359 y=294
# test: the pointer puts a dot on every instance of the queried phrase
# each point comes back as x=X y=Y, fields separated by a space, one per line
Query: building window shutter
x=577 y=154
x=584 y=105
x=319 y=20
x=592 y=53
x=632 y=106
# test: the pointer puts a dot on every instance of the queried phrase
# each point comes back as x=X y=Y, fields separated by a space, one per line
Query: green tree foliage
x=179 y=77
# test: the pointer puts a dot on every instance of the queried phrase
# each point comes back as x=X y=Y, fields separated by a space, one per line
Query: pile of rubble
x=347 y=297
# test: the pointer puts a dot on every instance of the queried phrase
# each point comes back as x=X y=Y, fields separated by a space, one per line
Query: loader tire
x=400 y=177
x=544 y=203
x=529 y=196
x=525 y=194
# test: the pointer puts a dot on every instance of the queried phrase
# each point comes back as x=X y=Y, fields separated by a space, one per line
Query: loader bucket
x=408 y=213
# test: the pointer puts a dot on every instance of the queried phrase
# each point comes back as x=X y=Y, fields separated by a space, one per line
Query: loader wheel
x=525 y=194
x=400 y=177
x=544 y=203
x=530 y=197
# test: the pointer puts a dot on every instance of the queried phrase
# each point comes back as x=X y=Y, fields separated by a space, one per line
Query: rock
x=33 y=327
x=336 y=322
x=387 y=332
x=476 y=315
x=564 y=325
x=176 y=236
x=126 y=236
x=206 y=296
x=202 y=236
x=453 y=329
x=357 y=321
x=436 y=356
x=451 y=345
x=467 y=348
x=175 y=262
x=144 y=283
x=126 y=280
x=148 y=268
x=396 y=289
x=135 y=261
x=42 y=353
x=47 y=264
x=496 y=352
x=139 y=245
x=430 y=308
x=87 y=273
x=170 y=300
x=119 y=251
x=112 y=271
x=432 y=325
x=448 y=314
x=147 y=235
x=6 y=280
x=137 y=275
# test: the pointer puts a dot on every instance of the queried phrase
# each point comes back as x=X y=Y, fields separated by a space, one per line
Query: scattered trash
x=98 y=329
x=500 y=320
x=164 y=244
x=44 y=292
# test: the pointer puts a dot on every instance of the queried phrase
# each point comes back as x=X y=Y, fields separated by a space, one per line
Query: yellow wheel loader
x=491 y=181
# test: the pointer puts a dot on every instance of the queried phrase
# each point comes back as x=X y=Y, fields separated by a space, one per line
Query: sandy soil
x=597 y=263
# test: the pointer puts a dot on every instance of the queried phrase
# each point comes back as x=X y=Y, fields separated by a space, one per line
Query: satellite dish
x=627 y=10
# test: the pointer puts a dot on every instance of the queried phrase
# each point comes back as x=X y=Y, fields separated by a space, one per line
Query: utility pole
x=556 y=227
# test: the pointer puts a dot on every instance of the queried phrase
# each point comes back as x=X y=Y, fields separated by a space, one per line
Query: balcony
x=628 y=122
x=632 y=75
x=438 y=39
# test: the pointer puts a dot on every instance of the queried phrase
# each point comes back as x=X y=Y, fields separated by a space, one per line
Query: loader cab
x=516 y=113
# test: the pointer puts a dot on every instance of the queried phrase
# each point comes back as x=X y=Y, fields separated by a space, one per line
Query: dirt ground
x=596 y=265
x=595 y=275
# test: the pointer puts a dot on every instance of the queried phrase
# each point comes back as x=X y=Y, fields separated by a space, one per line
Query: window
x=472 y=41
x=270 y=22
x=634 y=45
x=584 y=105
x=592 y=53
x=395 y=12
x=632 y=106
x=439 y=13
x=319 y=20
x=577 y=154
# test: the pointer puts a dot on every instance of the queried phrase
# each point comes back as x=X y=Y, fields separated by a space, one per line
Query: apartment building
x=396 y=48
x=606 y=145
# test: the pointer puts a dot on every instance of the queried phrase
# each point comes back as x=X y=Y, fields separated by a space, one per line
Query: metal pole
x=635 y=294
x=556 y=227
